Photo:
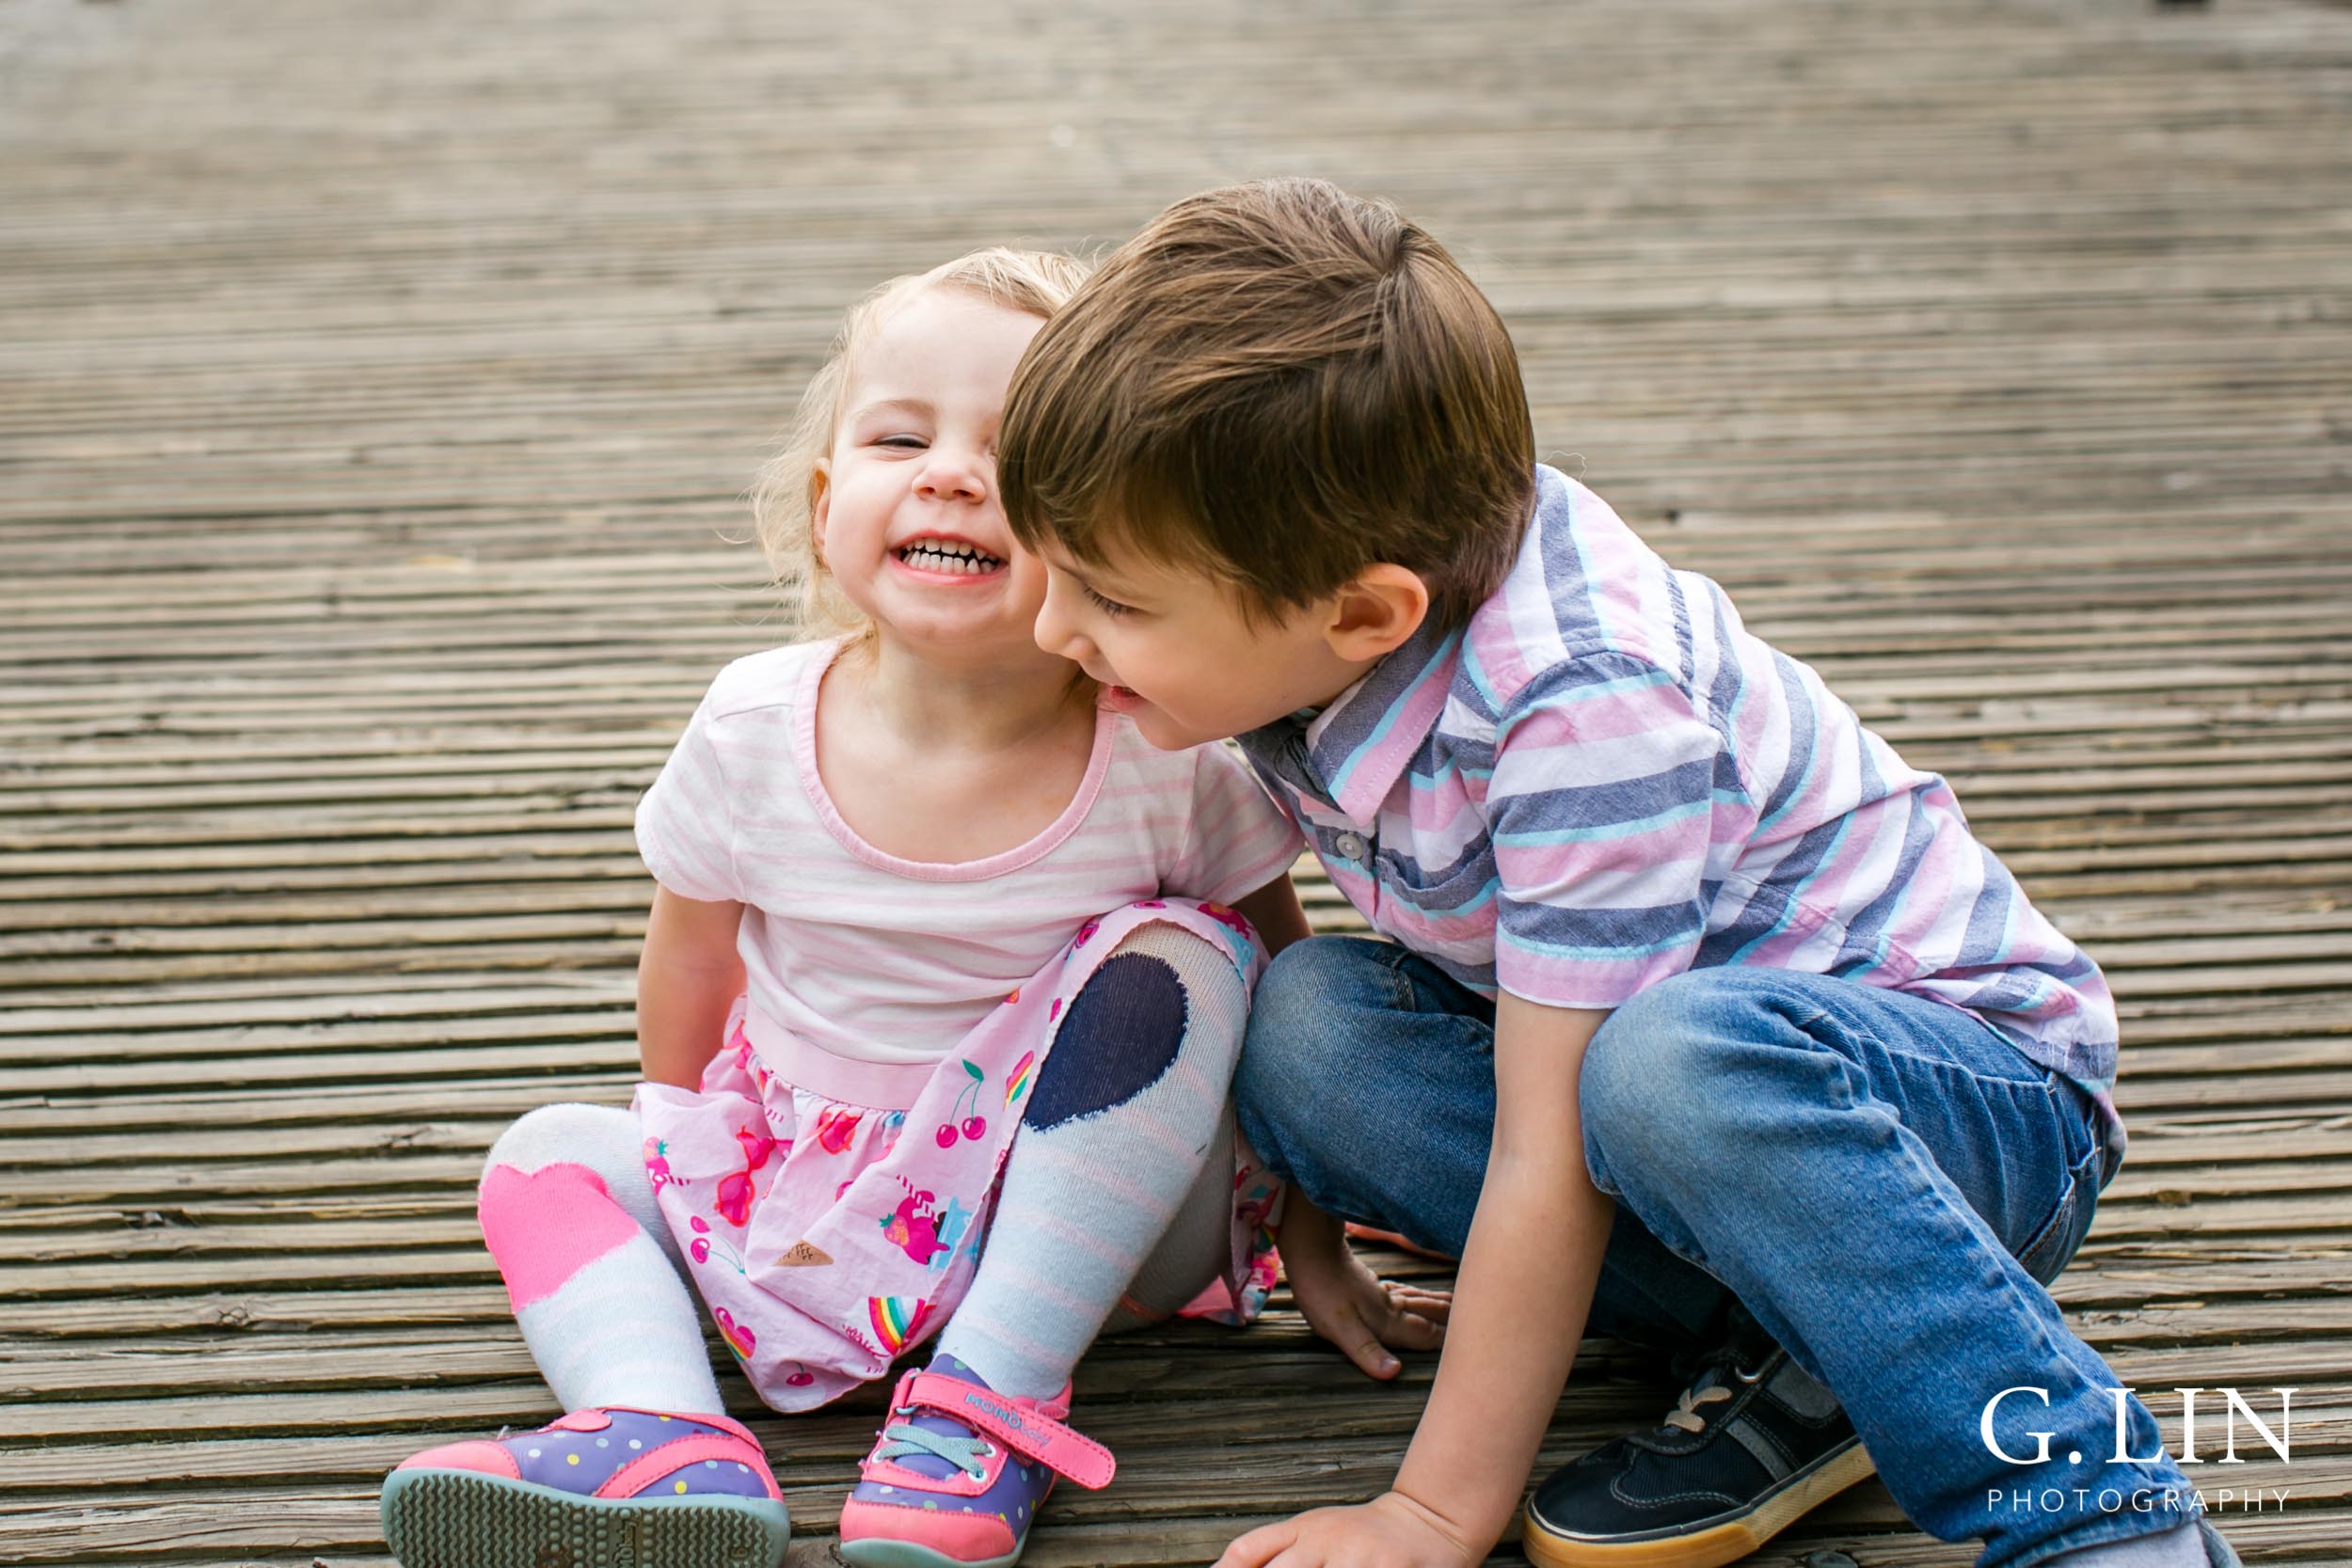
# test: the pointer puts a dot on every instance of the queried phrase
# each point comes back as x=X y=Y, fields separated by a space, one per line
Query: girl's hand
x=1355 y=1308
x=1390 y=1531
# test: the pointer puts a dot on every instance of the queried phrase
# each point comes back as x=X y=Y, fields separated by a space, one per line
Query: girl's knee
x=596 y=1136
x=1201 y=964
x=1161 y=995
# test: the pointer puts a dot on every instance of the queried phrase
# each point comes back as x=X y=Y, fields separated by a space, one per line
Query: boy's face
x=1172 y=650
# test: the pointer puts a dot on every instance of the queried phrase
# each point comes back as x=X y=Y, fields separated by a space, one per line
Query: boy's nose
x=1054 y=631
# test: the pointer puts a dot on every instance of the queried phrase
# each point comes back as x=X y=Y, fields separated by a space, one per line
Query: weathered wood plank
x=374 y=429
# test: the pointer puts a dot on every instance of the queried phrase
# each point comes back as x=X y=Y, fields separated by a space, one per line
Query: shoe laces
x=1685 y=1413
x=1706 y=1387
x=965 y=1453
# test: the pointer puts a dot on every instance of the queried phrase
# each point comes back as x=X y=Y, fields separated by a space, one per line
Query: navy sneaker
x=1754 y=1443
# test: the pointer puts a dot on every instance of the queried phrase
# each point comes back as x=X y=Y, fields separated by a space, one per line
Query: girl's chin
x=977 y=635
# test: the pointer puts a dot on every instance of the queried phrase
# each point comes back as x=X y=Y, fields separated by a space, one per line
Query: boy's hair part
x=1036 y=282
x=1279 y=384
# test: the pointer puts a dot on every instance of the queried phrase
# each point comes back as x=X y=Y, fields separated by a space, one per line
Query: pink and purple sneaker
x=597 y=1487
x=958 y=1472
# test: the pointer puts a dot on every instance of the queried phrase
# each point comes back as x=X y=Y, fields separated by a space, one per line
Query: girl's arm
x=687 y=976
x=1274 y=910
x=1519 y=1303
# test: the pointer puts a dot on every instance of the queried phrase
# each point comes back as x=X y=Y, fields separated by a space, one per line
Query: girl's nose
x=952 y=476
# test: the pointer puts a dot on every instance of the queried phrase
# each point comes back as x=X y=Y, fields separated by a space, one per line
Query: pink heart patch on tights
x=545 y=1226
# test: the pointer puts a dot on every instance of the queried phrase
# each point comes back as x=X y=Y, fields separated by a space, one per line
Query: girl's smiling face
x=905 y=507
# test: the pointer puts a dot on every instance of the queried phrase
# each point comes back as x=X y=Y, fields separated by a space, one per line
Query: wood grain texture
x=380 y=383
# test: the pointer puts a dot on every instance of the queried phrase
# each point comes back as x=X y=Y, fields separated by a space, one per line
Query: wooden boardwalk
x=378 y=379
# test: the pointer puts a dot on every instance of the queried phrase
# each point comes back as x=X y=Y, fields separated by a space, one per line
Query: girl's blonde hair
x=1037 y=283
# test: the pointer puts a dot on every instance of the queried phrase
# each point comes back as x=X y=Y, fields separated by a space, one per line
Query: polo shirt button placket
x=1350 y=846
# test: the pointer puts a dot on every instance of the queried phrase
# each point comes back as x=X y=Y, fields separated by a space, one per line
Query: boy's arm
x=1526 y=1283
x=688 y=977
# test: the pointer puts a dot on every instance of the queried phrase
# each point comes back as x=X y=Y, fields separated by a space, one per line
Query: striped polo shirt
x=1603 y=780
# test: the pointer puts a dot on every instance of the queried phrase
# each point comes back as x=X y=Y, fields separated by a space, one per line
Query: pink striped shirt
x=1604 y=780
x=883 y=959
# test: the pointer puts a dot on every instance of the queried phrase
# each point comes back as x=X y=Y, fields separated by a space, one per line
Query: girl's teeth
x=956 y=560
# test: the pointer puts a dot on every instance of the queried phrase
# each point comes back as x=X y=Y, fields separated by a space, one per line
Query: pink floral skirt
x=832 y=1211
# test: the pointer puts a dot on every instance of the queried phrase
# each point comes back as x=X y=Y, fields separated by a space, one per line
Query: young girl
x=917 y=890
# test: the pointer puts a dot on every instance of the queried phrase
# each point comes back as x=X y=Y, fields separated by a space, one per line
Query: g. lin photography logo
x=2110 y=1499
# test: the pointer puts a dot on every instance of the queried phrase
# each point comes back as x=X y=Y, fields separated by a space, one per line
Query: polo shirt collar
x=1352 y=754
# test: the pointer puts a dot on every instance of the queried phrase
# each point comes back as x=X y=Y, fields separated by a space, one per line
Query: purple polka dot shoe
x=957 y=1475
x=597 y=1489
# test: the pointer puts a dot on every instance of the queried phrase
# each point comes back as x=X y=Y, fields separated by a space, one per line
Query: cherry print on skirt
x=825 y=1256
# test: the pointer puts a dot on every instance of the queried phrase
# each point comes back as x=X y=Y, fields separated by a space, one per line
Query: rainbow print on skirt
x=895 y=1319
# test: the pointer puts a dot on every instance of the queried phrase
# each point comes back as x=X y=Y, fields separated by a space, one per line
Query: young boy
x=1704 y=1020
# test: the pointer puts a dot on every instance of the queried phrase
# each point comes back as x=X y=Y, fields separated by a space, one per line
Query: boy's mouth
x=948 y=556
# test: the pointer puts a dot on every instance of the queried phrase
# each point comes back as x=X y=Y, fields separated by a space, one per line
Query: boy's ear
x=1375 y=611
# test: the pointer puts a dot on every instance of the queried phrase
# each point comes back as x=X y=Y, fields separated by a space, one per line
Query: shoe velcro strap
x=1023 y=1431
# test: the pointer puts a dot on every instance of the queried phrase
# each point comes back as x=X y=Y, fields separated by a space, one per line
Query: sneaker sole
x=1709 y=1545
x=874 y=1552
x=465 y=1519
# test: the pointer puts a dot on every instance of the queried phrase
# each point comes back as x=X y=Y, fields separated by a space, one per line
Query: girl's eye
x=1108 y=606
x=901 y=443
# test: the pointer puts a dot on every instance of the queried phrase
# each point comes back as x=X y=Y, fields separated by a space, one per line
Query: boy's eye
x=1108 y=606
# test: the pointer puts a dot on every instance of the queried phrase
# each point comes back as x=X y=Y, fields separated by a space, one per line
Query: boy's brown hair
x=1281 y=383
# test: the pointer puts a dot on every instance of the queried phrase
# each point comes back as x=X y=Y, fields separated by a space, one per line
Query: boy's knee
x=1689 y=1066
x=1654 y=1076
x=1300 y=1020
x=1306 y=1039
x=1305 y=998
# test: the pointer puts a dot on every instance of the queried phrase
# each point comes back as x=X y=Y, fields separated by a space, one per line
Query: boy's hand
x=1390 y=1531
x=1342 y=1300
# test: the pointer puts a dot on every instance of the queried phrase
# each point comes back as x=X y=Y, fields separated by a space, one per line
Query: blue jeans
x=1884 y=1182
